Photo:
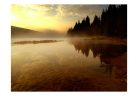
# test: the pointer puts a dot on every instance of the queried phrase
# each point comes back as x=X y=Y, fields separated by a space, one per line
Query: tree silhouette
x=82 y=28
x=95 y=26
x=112 y=22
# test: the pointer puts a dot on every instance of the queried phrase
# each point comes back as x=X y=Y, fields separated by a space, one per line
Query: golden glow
x=36 y=17
x=52 y=17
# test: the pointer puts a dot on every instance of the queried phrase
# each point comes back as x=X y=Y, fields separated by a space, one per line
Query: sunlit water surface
x=68 y=65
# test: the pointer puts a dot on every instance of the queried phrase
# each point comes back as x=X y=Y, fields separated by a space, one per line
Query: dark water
x=69 y=65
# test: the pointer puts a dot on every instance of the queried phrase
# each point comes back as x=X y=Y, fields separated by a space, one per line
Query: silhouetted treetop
x=112 y=22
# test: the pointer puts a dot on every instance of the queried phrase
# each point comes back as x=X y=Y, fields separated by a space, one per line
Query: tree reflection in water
x=113 y=57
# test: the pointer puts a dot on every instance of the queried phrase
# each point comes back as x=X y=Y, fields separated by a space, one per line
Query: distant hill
x=19 y=29
x=23 y=32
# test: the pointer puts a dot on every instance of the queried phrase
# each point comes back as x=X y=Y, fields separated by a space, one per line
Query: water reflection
x=77 y=65
x=113 y=57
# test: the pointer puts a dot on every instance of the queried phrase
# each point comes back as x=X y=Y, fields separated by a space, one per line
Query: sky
x=43 y=17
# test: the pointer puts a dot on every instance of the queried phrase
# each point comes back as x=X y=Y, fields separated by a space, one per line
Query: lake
x=76 y=64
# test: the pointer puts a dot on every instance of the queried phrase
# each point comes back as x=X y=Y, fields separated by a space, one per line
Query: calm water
x=69 y=65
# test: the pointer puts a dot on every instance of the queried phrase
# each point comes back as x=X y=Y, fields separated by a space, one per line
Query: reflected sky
x=60 y=67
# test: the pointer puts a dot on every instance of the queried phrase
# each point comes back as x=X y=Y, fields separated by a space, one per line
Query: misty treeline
x=112 y=22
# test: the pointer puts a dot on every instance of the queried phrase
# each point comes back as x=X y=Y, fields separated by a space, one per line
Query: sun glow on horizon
x=51 y=17
x=35 y=17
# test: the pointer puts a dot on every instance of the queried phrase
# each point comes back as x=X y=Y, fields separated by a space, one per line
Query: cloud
x=52 y=16
x=82 y=11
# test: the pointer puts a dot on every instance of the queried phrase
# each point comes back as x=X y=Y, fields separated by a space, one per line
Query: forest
x=112 y=23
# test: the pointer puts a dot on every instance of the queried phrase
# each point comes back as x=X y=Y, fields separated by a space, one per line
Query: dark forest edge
x=111 y=23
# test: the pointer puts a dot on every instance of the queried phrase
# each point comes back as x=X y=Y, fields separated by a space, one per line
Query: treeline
x=112 y=22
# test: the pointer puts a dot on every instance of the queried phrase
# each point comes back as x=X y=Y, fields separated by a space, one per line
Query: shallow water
x=69 y=65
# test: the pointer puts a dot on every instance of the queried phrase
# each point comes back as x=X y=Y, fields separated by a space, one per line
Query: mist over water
x=69 y=65
x=71 y=53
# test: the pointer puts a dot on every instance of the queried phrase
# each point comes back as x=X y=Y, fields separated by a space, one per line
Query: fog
x=68 y=64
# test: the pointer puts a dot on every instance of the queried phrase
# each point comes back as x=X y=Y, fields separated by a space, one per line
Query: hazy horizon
x=43 y=17
x=69 y=55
